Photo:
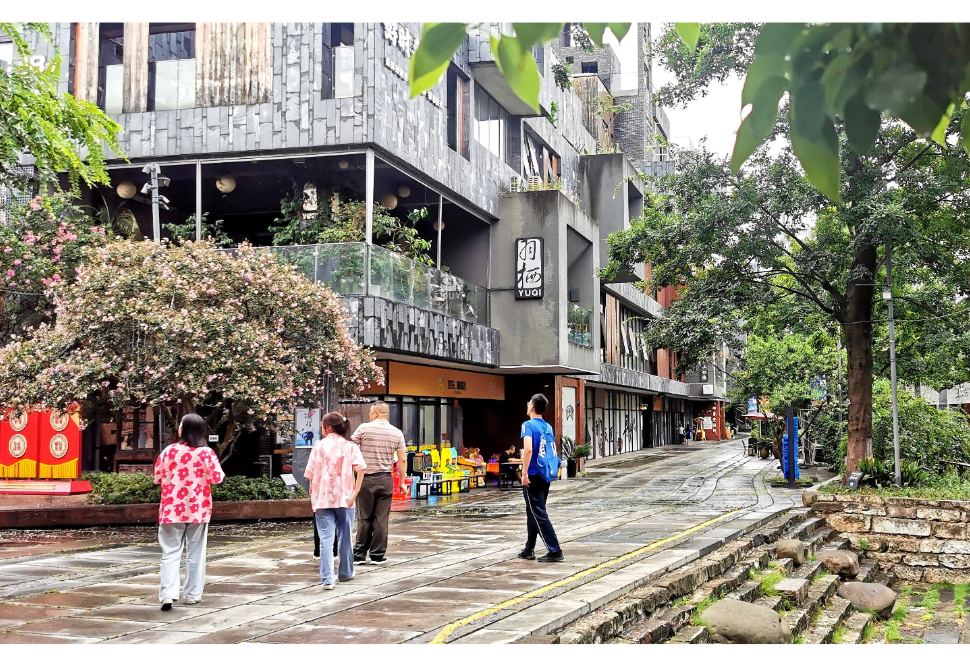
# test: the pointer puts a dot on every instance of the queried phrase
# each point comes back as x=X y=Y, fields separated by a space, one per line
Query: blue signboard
x=752 y=406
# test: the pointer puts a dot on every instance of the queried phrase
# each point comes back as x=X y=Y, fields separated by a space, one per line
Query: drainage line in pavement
x=452 y=627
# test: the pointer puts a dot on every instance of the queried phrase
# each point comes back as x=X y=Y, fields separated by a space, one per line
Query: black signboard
x=529 y=268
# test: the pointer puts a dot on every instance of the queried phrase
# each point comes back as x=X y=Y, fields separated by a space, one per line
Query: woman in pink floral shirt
x=185 y=470
x=331 y=470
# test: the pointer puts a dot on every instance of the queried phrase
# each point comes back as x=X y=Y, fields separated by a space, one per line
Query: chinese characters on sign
x=458 y=385
x=528 y=268
x=396 y=34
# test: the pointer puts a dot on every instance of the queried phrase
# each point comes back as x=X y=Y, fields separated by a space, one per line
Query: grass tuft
x=838 y=635
x=767 y=587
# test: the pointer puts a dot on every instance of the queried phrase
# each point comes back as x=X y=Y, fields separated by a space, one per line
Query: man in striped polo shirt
x=378 y=440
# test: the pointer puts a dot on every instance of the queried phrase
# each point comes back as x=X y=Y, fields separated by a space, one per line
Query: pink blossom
x=16 y=262
x=35 y=204
x=10 y=273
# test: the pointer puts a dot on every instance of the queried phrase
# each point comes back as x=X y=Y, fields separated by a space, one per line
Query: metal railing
x=578 y=325
x=358 y=269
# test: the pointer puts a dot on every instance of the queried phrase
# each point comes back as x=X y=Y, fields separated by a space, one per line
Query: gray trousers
x=173 y=537
x=373 y=515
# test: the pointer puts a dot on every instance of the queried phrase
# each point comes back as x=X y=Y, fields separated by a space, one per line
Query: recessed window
x=457 y=111
x=171 y=66
x=491 y=124
x=570 y=59
x=338 y=60
x=539 y=53
x=567 y=36
x=111 y=76
x=590 y=67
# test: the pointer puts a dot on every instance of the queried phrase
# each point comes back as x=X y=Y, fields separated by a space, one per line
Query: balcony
x=578 y=325
x=358 y=269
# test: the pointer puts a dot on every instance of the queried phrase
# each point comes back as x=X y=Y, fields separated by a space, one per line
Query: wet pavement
x=451 y=573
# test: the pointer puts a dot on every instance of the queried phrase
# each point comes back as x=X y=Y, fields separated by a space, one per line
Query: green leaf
x=757 y=126
x=530 y=34
x=861 y=124
x=770 y=51
x=814 y=140
x=519 y=68
x=896 y=89
x=619 y=30
x=939 y=133
x=439 y=43
x=596 y=31
x=689 y=32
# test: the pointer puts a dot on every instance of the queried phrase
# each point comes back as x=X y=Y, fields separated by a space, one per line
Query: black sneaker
x=551 y=557
x=376 y=560
x=360 y=560
x=526 y=554
x=166 y=604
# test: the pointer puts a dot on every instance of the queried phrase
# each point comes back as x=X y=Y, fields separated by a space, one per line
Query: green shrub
x=111 y=488
x=581 y=451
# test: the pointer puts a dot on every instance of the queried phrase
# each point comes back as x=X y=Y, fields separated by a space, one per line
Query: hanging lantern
x=403 y=191
x=126 y=190
x=343 y=164
x=226 y=184
x=438 y=225
x=389 y=201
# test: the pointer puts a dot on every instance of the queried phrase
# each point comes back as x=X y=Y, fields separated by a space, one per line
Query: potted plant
x=568 y=447
x=580 y=454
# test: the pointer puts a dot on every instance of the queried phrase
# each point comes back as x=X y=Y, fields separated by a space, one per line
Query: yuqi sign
x=529 y=267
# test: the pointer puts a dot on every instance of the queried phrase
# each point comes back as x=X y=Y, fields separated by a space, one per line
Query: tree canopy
x=60 y=132
x=739 y=243
x=241 y=337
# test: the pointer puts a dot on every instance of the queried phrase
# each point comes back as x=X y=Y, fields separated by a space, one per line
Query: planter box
x=147 y=514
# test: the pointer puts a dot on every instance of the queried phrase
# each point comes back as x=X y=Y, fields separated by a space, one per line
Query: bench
x=428 y=485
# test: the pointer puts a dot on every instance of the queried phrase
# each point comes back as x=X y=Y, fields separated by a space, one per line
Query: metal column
x=369 y=223
x=440 y=208
x=198 y=200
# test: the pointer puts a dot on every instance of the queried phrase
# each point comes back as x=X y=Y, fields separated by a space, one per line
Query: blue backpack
x=547 y=458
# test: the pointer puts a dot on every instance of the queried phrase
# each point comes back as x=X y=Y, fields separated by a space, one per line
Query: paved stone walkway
x=451 y=574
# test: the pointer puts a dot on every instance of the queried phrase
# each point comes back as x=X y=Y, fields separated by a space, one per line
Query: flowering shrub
x=241 y=336
x=41 y=244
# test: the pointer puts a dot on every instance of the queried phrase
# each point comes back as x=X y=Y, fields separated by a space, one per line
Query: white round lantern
x=389 y=201
x=126 y=190
x=403 y=191
x=226 y=184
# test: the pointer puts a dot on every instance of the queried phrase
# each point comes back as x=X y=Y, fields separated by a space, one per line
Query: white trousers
x=173 y=537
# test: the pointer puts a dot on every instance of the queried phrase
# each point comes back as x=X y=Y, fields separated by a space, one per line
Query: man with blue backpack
x=539 y=453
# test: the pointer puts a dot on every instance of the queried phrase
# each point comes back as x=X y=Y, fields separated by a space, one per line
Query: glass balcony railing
x=578 y=324
x=344 y=268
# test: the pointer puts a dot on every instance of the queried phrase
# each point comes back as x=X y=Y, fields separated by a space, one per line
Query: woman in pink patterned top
x=331 y=470
x=185 y=470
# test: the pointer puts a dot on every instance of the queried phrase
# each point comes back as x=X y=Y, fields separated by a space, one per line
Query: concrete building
x=242 y=116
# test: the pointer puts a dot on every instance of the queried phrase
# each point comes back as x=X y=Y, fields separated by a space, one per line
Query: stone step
x=838 y=544
x=854 y=627
x=775 y=530
x=785 y=565
x=818 y=539
x=690 y=635
x=771 y=602
x=748 y=592
x=868 y=571
x=810 y=570
x=793 y=591
x=806 y=528
x=661 y=626
x=796 y=620
x=822 y=631
x=821 y=591
x=721 y=586
x=611 y=620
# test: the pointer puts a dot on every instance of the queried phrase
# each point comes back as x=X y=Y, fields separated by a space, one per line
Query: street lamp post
x=157 y=180
x=887 y=295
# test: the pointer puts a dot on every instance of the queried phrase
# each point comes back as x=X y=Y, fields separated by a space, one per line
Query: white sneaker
x=328 y=587
x=166 y=604
x=193 y=602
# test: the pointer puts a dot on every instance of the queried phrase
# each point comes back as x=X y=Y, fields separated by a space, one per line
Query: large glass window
x=111 y=76
x=338 y=60
x=491 y=124
x=171 y=66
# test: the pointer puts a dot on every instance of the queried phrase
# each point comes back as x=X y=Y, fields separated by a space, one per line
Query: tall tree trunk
x=858 y=345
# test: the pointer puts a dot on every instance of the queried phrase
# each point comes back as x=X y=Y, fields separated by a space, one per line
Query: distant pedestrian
x=335 y=470
x=687 y=435
x=185 y=470
x=680 y=433
x=378 y=440
x=539 y=453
